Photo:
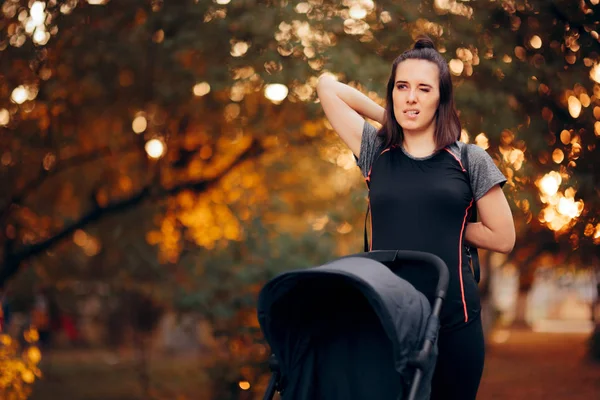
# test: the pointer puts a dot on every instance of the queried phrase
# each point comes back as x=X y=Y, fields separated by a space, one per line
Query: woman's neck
x=419 y=144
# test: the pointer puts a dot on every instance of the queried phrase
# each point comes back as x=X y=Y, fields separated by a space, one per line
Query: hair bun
x=424 y=42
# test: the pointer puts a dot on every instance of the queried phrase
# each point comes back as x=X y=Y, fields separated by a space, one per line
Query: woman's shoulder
x=455 y=148
x=474 y=152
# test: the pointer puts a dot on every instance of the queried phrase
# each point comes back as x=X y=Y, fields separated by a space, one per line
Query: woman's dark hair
x=447 y=127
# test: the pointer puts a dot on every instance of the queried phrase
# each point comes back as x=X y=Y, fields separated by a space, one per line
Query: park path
x=532 y=366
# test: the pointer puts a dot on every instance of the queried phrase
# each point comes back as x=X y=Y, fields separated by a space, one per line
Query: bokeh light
x=482 y=141
x=19 y=94
x=550 y=183
x=155 y=148
x=201 y=89
x=595 y=73
x=276 y=92
x=238 y=49
x=456 y=66
x=37 y=12
x=535 y=42
x=561 y=209
x=4 y=116
x=139 y=124
x=558 y=156
x=574 y=106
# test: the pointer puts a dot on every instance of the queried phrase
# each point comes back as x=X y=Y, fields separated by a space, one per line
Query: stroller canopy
x=343 y=330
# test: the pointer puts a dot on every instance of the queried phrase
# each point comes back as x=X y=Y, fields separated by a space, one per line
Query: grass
x=528 y=366
x=98 y=376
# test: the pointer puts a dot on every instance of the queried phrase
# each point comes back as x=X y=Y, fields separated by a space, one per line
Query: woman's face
x=416 y=95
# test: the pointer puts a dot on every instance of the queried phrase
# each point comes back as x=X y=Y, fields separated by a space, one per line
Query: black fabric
x=345 y=330
x=423 y=205
x=471 y=252
x=354 y=352
x=460 y=363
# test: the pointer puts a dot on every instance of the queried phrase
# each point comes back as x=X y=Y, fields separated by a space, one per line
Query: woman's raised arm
x=345 y=108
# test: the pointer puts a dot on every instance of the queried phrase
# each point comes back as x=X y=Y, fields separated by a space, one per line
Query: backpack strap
x=471 y=251
x=366 y=246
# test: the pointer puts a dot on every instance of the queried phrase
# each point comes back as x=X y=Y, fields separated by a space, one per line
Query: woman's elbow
x=505 y=248
x=506 y=244
x=325 y=81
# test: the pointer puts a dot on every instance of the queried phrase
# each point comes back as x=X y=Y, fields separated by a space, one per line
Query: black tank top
x=424 y=205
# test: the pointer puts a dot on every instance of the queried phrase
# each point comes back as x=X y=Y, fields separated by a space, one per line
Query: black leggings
x=460 y=363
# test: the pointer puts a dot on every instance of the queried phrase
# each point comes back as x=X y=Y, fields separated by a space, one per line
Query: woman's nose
x=412 y=96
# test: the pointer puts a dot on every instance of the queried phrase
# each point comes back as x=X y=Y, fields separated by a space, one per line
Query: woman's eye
x=425 y=90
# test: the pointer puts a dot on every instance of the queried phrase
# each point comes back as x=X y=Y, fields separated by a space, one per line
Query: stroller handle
x=392 y=256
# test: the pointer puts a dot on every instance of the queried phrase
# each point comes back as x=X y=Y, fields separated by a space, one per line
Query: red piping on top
x=460 y=242
x=456 y=158
x=460 y=247
x=368 y=177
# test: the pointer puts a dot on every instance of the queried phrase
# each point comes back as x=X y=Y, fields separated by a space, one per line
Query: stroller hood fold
x=401 y=310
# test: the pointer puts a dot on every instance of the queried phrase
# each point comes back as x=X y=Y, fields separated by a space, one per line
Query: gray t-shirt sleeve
x=370 y=145
x=483 y=172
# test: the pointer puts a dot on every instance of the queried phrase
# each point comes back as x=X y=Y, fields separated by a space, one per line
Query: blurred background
x=161 y=160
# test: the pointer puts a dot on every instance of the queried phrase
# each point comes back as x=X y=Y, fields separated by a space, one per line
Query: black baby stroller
x=352 y=329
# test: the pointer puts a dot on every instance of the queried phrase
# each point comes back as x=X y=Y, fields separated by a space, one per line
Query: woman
x=421 y=198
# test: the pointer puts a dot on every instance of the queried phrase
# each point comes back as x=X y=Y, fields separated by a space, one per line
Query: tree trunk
x=488 y=311
x=595 y=343
x=143 y=364
x=526 y=277
x=595 y=339
x=520 y=321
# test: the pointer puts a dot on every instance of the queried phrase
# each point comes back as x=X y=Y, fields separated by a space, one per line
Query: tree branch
x=61 y=166
x=13 y=260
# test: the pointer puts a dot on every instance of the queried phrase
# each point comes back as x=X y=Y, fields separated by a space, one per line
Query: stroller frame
x=431 y=331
